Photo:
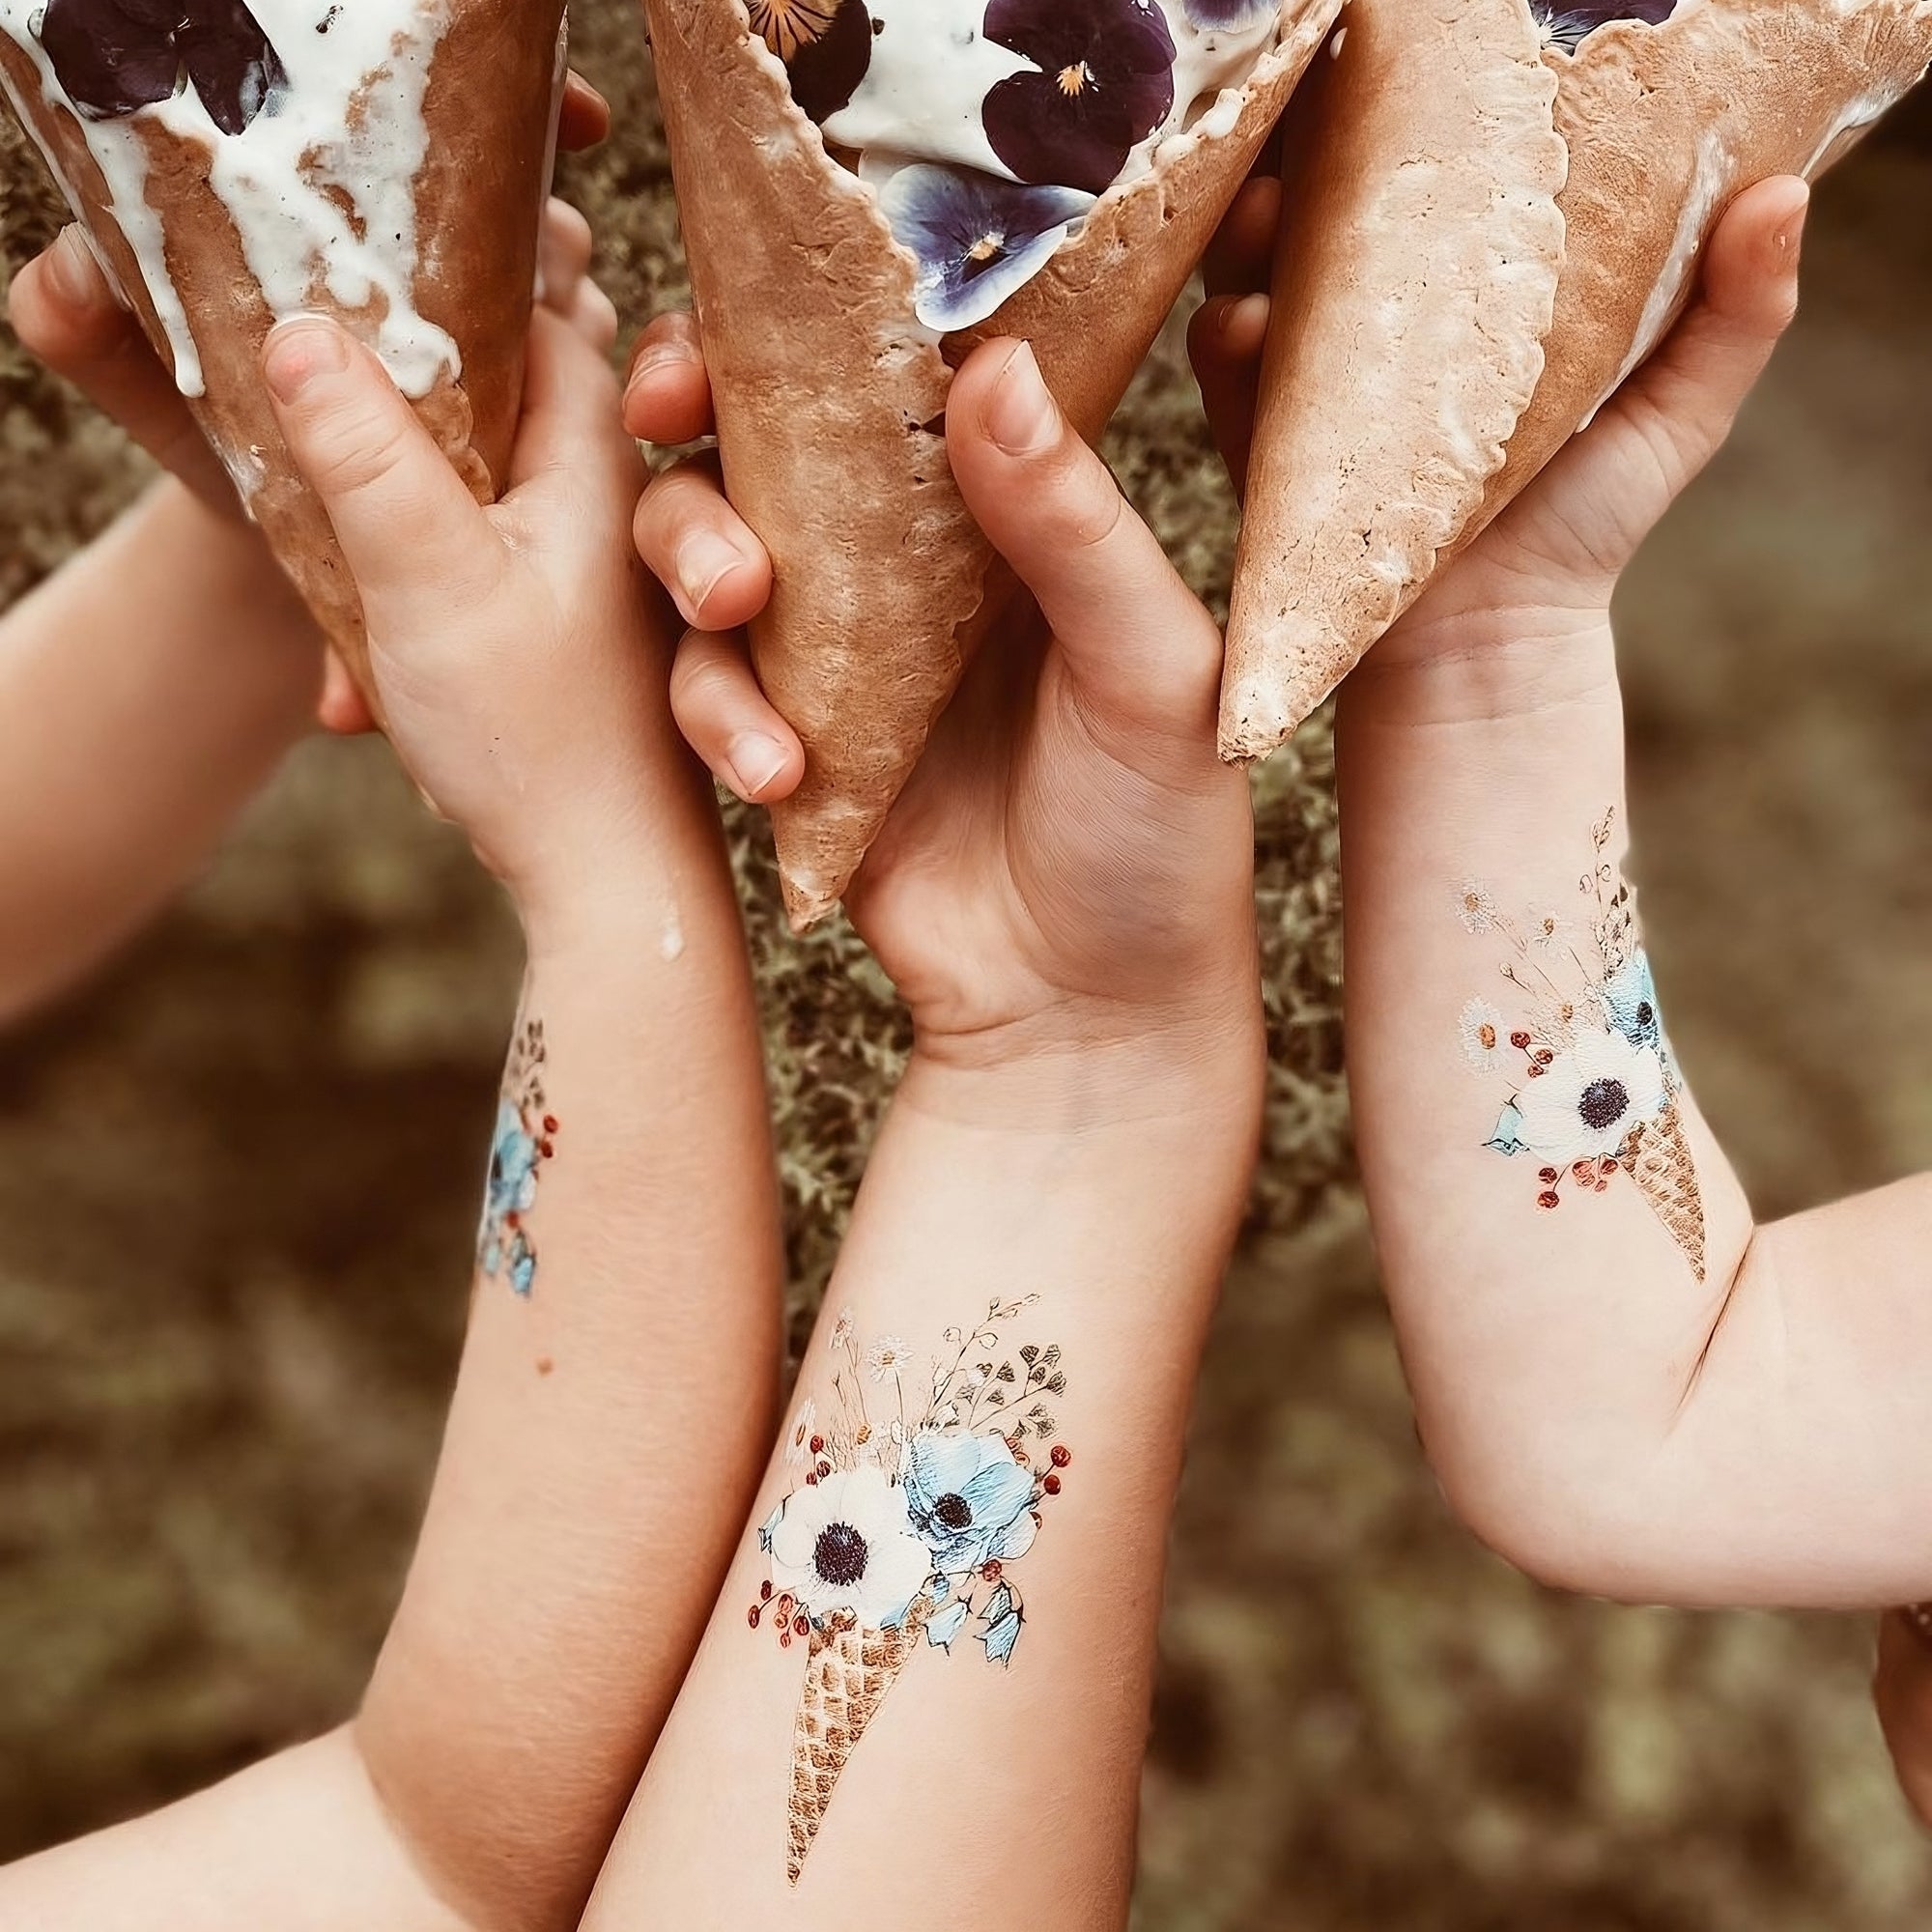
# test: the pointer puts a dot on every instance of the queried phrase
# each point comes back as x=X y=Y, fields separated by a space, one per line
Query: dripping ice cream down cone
x=1431 y=353
x=383 y=161
x=870 y=188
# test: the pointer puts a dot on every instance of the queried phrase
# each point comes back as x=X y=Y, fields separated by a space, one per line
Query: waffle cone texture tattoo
x=1594 y=1091
x=921 y=1482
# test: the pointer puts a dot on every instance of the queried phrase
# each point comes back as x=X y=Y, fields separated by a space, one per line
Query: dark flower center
x=1646 y=1013
x=839 y=1555
x=1605 y=1103
x=953 y=1513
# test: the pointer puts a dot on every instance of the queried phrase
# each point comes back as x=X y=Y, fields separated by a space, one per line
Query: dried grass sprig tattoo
x=915 y=1489
x=1594 y=1086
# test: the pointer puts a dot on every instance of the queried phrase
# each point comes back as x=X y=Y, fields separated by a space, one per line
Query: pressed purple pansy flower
x=825 y=45
x=1229 y=16
x=977 y=238
x=115 y=56
x=1105 y=83
x=1569 y=23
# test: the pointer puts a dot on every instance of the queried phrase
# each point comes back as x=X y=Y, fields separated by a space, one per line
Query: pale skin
x=1596 y=1413
x=607 y=1427
x=189 y=715
x=1065 y=898
x=1593 y=1411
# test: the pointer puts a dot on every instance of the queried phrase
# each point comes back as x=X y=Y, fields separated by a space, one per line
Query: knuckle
x=703 y=679
x=1083 y=504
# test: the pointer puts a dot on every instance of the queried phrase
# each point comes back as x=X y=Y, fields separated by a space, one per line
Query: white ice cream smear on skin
x=365 y=61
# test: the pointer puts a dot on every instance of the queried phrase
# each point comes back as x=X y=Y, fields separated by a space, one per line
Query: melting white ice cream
x=319 y=184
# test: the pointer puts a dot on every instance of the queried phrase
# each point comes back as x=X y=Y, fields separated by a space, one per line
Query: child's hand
x=1072 y=865
x=67 y=314
x=519 y=653
x=1548 y=564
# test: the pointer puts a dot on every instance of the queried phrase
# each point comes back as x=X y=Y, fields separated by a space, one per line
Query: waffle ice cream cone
x=1656 y=1156
x=831 y=399
x=1415 y=279
x=1664 y=127
x=847 y=1674
x=1416 y=380
x=440 y=139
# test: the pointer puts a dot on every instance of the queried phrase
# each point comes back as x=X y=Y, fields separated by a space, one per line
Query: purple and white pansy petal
x=1103 y=81
x=1569 y=23
x=978 y=240
x=1229 y=16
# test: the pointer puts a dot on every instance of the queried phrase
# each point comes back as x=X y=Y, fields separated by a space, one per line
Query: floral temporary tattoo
x=525 y=1139
x=1594 y=1089
x=913 y=1491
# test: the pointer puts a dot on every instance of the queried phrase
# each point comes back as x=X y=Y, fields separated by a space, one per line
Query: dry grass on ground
x=237 y=1180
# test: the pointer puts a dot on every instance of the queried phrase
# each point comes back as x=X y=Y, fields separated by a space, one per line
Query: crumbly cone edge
x=479 y=202
x=1659 y=1159
x=831 y=406
x=1665 y=126
x=833 y=1717
x=1414 y=283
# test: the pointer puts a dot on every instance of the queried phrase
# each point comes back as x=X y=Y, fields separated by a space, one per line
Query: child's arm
x=957 y=1550
x=145 y=691
x=1625 y=1385
x=149 y=688
x=616 y=1391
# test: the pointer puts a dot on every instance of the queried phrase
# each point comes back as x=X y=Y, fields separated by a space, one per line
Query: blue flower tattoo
x=525 y=1138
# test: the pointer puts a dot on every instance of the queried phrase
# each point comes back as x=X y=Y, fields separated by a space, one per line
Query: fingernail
x=667 y=356
x=755 y=760
x=1793 y=231
x=1244 y=326
x=72 y=269
x=300 y=350
x=701 y=561
x=1022 y=416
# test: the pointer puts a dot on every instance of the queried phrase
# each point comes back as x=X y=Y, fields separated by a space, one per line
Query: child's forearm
x=1624 y=1385
x=996 y=1395
x=148 y=688
x=617 y=1395
x=300 y=1843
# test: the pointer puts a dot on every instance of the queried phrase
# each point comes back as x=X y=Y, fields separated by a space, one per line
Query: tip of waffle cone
x=806 y=905
x=1261 y=712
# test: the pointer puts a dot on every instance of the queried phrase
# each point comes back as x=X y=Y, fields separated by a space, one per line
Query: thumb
x=414 y=539
x=1140 y=647
x=1687 y=396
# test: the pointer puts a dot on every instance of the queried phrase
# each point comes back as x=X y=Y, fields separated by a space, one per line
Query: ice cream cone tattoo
x=525 y=1139
x=913 y=1491
x=1593 y=1085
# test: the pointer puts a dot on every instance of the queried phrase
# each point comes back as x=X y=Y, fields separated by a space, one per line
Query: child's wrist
x=625 y=892
x=1203 y=1065
x=1489 y=666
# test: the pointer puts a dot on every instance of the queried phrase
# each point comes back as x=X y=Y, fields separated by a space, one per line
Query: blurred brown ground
x=238 y=1177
